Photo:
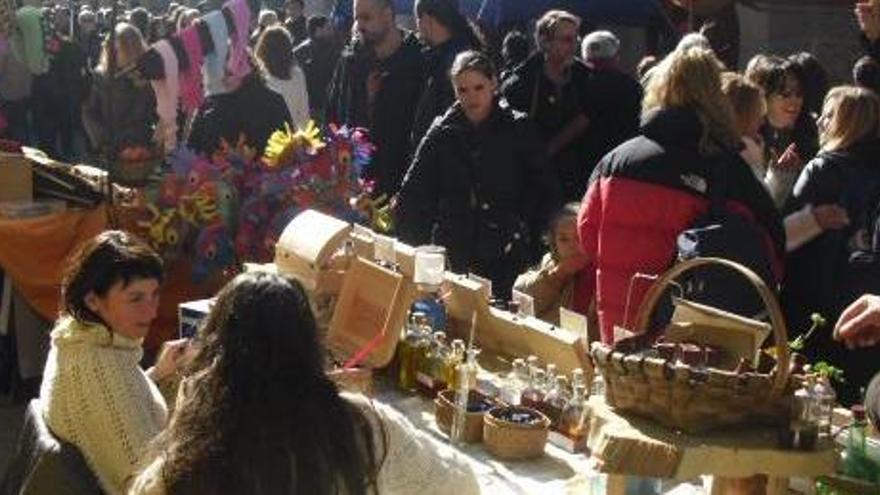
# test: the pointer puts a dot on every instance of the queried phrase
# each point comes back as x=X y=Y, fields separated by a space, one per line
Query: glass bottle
x=577 y=378
x=425 y=369
x=411 y=348
x=597 y=386
x=456 y=356
x=466 y=372
x=854 y=461
x=550 y=377
x=556 y=400
x=573 y=423
x=532 y=363
x=515 y=382
x=802 y=430
x=436 y=366
x=824 y=399
x=533 y=395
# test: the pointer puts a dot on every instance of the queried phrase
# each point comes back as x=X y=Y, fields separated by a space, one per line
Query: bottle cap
x=858 y=412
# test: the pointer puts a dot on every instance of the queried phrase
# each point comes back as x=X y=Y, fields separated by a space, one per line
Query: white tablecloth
x=557 y=472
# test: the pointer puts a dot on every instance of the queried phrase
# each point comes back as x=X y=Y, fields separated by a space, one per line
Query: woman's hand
x=830 y=217
x=790 y=160
x=174 y=355
x=859 y=325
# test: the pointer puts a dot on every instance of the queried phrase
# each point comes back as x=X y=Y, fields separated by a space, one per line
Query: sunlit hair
x=745 y=97
x=692 y=78
x=546 y=26
x=130 y=46
x=258 y=413
x=849 y=115
x=472 y=60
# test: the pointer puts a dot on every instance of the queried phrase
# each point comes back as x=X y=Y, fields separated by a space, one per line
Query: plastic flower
x=285 y=144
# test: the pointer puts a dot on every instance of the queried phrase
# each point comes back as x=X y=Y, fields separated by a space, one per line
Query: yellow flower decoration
x=284 y=144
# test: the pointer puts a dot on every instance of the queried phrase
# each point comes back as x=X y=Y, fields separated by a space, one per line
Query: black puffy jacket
x=816 y=280
x=484 y=192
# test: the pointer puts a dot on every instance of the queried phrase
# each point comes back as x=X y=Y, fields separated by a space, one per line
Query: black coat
x=816 y=279
x=390 y=116
x=616 y=112
x=318 y=59
x=253 y=111
x=530 y=91
x=119 y=113
x=438 y=93
x=485 y=193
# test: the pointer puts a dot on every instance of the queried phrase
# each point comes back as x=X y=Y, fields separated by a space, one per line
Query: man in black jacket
x=318 y=56
x=376 y=85
x=552 y=87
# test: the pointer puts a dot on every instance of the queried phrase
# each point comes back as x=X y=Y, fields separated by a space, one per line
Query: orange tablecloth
x=33 y=252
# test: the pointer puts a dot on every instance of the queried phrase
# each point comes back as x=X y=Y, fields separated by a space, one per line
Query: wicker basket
x=508 y=440
x=444 y=411
x=691 y=398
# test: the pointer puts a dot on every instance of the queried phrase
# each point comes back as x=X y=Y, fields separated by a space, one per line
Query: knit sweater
x=96 y=396
x=414 y=462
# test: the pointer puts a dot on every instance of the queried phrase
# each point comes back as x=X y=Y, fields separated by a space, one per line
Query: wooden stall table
x=623 y=446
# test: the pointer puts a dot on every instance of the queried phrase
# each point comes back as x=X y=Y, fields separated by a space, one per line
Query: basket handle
x=780 y=332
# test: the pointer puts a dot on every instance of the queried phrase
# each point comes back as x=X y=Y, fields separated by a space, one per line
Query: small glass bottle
x=456 y=355
x=533 y=395
x=577 y=378
x=556 y=400
x=824 y=399
x=533 y=363
x=515 y=382
x=854 y=461
x=412 y=346
x=550 y=377
x=573 y=423
x=597 y=387
x=426 y=374
x=802 y=430
x=466 y=372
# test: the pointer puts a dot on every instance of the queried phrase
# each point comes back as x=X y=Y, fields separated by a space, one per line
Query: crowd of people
x=559 y=149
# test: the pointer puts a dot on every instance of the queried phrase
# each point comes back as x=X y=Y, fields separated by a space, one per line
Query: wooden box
x=369 y=315
x=306 y=245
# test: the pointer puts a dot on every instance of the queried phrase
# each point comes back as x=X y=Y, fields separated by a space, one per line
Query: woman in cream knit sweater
x=94 y=394
x=258 y=415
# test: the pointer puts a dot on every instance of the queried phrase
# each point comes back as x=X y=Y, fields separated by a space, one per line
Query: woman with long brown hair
x=843 y=177
x=258 y=415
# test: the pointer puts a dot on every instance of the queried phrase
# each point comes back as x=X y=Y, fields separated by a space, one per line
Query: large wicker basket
x=690 y=398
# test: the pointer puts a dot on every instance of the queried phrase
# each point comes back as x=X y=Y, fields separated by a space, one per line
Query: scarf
x=29 y=46
x=239 y=65
x=191 y=92
x=215 y=61
x=167 y=93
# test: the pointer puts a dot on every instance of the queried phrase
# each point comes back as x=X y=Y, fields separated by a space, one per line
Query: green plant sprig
x=799 y=343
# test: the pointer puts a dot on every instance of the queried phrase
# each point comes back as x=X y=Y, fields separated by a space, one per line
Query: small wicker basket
x=694 y=398
x=508 y=440
x=445 y=410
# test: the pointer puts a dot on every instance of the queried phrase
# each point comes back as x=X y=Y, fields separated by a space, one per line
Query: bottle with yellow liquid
x=456 y=356
x=411 y=350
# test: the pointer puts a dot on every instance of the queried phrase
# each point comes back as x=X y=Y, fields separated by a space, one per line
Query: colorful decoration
x=231 y=207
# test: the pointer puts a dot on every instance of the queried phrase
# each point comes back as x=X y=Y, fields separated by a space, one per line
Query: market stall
x=364 y=286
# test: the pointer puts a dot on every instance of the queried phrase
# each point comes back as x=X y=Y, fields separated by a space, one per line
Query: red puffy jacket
x=642 y=195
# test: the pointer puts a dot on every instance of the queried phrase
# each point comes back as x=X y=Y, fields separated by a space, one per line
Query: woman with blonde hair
x=648 y=190
x=120 y=112
x=843 y=179
x=747 y=102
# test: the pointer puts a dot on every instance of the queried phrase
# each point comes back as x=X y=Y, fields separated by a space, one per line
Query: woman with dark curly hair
x=258 y=414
